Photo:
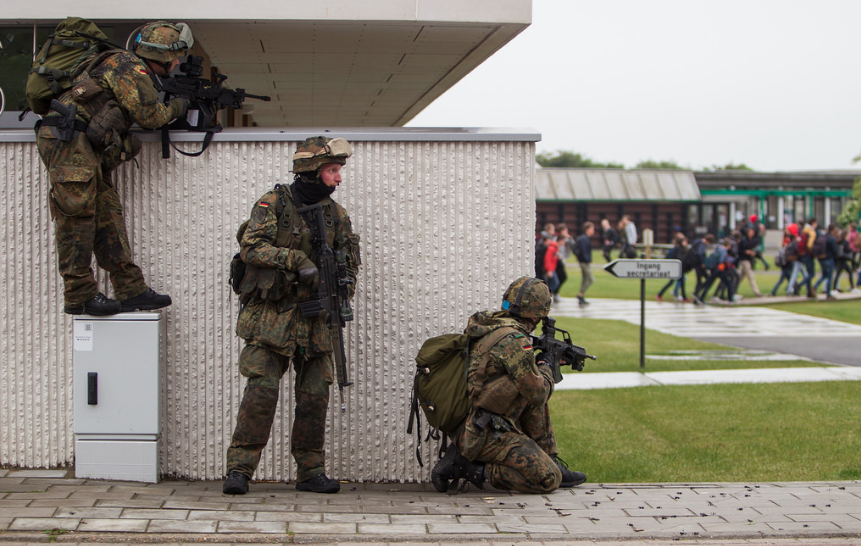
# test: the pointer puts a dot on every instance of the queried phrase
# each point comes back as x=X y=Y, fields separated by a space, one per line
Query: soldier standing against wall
x=282 y=272
x=508 y=438
x=115 y=90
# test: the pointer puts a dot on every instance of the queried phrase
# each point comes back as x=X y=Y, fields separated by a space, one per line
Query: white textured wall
x=445 y=226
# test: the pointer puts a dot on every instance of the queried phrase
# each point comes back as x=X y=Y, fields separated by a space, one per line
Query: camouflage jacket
x=278 y=324
x=513 y=358
x=128 y=89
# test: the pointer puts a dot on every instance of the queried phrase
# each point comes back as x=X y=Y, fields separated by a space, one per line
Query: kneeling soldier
x=507 y=438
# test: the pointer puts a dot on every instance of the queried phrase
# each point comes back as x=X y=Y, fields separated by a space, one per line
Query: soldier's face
x=330 y=174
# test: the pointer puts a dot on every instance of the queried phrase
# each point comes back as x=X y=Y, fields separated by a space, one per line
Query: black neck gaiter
x=310 y=191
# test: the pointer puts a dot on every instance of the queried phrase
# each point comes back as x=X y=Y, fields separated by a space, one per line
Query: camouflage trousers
x=518 y=460
x=95 y=227
x=264 y=369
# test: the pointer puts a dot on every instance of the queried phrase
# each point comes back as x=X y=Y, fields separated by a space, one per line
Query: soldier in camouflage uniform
x=281 y=271
x=112 y=90
x=507 y=438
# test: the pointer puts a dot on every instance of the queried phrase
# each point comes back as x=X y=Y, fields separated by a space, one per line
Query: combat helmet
x=527 y=297
x=319 y=150
x=162 y=41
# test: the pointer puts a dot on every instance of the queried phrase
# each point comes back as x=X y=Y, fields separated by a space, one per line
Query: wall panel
x=445 y=226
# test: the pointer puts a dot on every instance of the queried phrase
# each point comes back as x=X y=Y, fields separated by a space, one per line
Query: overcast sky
x=773 y=84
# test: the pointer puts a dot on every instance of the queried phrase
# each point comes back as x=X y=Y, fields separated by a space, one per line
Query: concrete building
x=445 y=218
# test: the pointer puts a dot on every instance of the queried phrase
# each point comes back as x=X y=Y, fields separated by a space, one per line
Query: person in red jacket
x=551 y=259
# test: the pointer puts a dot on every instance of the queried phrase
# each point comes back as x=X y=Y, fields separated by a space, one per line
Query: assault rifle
x=332 y=293
x=205 y=99
x=560 y=352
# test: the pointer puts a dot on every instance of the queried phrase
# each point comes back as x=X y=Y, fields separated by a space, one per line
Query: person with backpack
x=695 y=260
x=507 y=437
x=717 y=264
x=82 y=139
x=844 y=262
x=826 y=253
x=785 y=260
x=278 y=323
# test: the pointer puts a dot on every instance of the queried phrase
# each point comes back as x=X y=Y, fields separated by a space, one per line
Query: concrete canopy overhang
x=375 y=63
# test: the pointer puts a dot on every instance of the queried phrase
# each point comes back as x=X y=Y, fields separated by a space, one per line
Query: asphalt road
x=835 y=350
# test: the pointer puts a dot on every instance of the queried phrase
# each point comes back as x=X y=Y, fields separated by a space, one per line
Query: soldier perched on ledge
x=507 y=438
x=82 y=140
x=282 y=274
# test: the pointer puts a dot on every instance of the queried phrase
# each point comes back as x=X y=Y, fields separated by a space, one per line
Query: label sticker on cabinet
x=83 y=335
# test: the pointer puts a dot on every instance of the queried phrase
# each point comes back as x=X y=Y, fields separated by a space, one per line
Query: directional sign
x=645 y=269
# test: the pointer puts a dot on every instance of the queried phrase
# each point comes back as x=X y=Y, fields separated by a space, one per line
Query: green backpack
x=440 y=387
x=73 y=40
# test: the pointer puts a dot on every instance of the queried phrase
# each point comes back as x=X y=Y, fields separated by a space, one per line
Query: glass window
x=16 y=57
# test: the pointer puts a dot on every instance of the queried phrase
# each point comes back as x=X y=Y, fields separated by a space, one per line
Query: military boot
x=471 y=471
x=235 y=484
x=147 y=301
x=569 y=478
x=444 y=470
x=319 y=484
x=98 y=306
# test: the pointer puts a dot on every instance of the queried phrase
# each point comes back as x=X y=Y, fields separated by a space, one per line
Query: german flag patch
x=527 y=343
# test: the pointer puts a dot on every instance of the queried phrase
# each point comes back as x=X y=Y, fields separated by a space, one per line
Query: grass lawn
x=616 y=343
x=726 y=433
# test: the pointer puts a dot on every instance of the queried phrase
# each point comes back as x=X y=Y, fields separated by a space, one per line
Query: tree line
x=571 y=159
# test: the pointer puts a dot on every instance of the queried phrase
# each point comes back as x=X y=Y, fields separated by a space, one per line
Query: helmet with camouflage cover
x=162 y=41
x=319 y=150
x=527 y=297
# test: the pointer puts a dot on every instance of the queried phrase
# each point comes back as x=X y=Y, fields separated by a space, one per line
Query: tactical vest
x=276 y=284
x=100 y=117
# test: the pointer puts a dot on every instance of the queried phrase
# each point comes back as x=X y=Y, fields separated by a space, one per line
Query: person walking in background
x=785 y=260
x=566 y=248
x=551 y=259
x=747 y=249
x=696 y=259
x=805 y=263
x=844 y=261
x=717 y=263
x=628 y=232
x=678 y=252
x=610 y=236
x=827 y=260
x=541 y=249
x=584 y=256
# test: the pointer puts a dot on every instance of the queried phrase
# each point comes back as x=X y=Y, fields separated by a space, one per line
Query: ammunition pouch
x=498 y=396
x=264 y=283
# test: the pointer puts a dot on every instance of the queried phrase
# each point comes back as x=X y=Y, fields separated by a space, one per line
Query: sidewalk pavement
x=51 y=506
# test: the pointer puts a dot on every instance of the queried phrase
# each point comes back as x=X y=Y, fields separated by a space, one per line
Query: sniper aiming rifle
x=205 y=99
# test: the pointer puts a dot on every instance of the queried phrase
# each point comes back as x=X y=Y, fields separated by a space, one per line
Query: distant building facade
x=695 y=203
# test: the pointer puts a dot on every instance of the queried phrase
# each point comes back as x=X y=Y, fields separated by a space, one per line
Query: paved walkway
x=43 y=506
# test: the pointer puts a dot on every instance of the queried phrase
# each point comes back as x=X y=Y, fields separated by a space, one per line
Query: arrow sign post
x=644 y=269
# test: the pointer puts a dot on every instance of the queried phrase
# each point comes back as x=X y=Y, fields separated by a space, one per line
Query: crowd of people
x=720 y=265
x=732 y=260
x=554 y=245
